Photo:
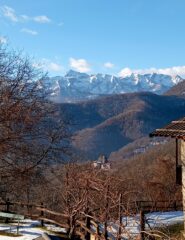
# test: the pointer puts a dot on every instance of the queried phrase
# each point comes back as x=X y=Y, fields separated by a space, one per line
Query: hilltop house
x=102 y=163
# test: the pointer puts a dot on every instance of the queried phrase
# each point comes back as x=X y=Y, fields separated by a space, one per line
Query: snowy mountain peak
x=75 y=86
x=75 y=74
x=176 y=79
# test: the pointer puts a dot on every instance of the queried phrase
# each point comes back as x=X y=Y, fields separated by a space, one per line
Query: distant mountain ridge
x=76 y=86
x=178 y=89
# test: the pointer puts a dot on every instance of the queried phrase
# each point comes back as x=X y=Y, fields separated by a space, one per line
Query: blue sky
x=107 y=36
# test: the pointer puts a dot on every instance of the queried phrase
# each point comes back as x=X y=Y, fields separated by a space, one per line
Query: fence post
x=88 y=225
x=120 y=216
x=138 y=205
x=42 y=214
x=175 y=205
x=30 y=210
x=98 y=230
x=7 y=209
x=105 y=230
x=8 y=205
x=155 y=205
x=142 y=225
x=69 y=229
x=106 y=213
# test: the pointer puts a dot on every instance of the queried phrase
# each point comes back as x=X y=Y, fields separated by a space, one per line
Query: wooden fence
x=86 y=225
x=164 y=206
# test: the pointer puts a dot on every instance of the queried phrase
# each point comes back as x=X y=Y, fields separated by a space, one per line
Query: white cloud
x=3 y=40
x=54 y=67
x=48 y=65
x=42 y=19
x=108 y=65
x=38 y=19
x=25 y=17
x=9 y=13
x=176 y=70
x=125 y=72
x=80 y=65
x=29 y=31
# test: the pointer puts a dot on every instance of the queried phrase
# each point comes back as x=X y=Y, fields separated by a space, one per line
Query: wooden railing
x=163 y=206
x=83 y=225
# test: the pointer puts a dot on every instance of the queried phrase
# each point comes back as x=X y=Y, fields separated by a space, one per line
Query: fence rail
x=159 y=205
x=84 y=224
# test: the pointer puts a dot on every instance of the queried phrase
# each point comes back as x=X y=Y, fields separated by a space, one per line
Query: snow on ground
x=28 y=229
x=155 y=219
x=132 y=225
x=158 y=219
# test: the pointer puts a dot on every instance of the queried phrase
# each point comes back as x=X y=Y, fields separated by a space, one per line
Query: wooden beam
x=63 y=225
x=82 y=235
x=169 y=130
x=94 y=223
x=26 y=204
x=52 y=212
x=82 y=225
x=177 y=151
x=180 y=121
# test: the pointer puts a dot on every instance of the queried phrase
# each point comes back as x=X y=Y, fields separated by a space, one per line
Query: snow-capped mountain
x=75 y=86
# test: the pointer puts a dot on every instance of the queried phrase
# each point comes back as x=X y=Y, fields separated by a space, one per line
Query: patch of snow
x=131 y=226
x=28 y=229
x=155 y=219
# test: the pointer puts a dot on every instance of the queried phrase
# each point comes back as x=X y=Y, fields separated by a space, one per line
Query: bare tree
x=31 y=131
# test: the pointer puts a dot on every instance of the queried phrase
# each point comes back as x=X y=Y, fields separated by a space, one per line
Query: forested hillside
x=152 y=173
x=107 y=124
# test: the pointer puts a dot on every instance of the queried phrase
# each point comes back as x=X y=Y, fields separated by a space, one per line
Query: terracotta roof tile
x=175 y=129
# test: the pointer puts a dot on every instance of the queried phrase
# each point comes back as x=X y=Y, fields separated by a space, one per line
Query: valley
x=105 y=125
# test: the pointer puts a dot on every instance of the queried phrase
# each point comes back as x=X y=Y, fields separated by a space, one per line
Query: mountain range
x=76 y=86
